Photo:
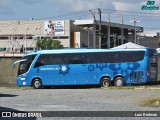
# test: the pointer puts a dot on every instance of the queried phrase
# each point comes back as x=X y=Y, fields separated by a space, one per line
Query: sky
x=79 y=9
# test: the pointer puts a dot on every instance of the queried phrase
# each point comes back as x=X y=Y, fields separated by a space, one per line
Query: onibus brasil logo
x=150 y=5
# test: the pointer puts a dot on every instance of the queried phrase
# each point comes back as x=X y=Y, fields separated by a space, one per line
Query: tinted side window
x=50 y=59
x=133 y=56
x=57 y=59
x=99 y=57
x=114 y=57
x=74 y=58
x=89 y=58
x=41 y=61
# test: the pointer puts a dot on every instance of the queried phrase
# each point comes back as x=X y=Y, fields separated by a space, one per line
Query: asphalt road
x=89 y=99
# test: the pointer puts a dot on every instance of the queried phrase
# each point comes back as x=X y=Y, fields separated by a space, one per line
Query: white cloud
x=76 y=6
x=127 y=6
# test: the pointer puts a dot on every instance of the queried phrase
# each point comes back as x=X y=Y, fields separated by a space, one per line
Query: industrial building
x=71 y=33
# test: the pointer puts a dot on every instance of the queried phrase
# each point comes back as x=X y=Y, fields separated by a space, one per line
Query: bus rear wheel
x=37 y=84
x=105 y=82
x=119 y=81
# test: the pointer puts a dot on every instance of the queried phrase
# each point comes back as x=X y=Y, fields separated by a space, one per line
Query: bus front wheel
x=105 y=82
x=119 y=81
x=37 y=84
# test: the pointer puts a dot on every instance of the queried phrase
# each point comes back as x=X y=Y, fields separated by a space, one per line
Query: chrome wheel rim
x=37 y=84
x=105 y=83
x=119 y=83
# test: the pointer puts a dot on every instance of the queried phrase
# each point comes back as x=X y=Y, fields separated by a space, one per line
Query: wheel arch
x=117 y=77
x=105 y=76
x=105 y=81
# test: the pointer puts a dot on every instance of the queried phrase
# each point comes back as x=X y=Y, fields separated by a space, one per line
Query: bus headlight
x=24 y=83
x=22 y=78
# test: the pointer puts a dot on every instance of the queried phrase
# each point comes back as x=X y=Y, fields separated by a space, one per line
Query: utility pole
x=94 y=29
x=108 y=33
x=99 y=13
x=114 y=39
x=122 y=32
x=122 y=20
x=108 y=19
x=135 y=35
x=13 y=38
x=25 y=49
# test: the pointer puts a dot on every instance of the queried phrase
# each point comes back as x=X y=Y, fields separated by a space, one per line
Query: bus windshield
x=25 y=65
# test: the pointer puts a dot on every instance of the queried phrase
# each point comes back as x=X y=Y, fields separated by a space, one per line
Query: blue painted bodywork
x=86 y=74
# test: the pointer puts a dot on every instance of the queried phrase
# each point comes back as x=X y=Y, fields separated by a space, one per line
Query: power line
x=68 y=14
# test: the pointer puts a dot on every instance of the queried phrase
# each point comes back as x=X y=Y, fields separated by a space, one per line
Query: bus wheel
x=37 y=84
x=119 y=81
x=105 y=82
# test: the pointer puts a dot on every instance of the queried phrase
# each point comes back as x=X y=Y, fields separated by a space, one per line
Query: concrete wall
x=35 y=27
x=7 y=72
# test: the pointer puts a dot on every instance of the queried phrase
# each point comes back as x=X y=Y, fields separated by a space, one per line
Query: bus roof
x=57 y=51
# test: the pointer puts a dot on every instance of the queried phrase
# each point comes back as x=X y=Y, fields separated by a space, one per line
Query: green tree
x=48 y=44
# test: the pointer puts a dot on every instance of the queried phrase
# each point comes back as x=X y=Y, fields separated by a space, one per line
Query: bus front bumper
x=21 y=82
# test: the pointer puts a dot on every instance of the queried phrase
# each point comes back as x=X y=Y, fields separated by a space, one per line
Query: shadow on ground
x=7 y=95
x=72 y=87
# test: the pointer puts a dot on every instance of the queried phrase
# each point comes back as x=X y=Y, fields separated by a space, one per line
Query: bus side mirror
x=14 y=65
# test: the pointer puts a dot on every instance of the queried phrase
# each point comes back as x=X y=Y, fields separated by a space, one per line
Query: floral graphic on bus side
x=101 y=66
x=64 y=69
x=91 y=68
x=124 y=69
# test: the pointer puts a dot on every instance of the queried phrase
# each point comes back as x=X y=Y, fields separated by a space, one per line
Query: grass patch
x=136 y=87
x=151 y=102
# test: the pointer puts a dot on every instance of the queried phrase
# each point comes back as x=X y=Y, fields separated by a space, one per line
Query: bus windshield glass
x=25 y=65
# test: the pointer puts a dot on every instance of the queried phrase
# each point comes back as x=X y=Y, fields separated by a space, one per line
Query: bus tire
x=37 y=84
x=119 y=81
x=105 y=82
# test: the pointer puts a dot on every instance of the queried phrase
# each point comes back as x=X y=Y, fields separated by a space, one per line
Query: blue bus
x=103 y=67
